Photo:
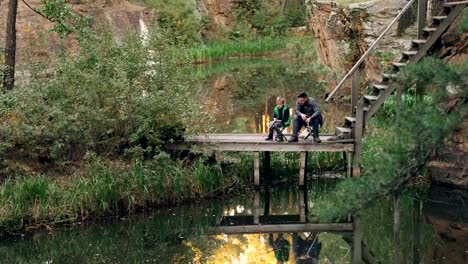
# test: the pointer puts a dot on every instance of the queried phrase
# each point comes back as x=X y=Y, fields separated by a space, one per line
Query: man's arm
x=298 y=111
x=316 y=108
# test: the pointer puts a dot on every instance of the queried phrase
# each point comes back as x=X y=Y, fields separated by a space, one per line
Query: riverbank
x=104 y=188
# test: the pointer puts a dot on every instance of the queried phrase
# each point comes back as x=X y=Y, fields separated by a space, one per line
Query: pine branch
x=37 y=12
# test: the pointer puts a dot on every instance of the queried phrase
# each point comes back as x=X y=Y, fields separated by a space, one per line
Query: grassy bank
x=104 y=189
x=213 y=51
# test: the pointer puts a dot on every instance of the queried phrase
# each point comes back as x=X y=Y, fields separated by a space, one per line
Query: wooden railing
x=355 y=70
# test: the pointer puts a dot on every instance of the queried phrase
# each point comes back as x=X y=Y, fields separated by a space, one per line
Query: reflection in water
x=234 y=91
x=191 y=233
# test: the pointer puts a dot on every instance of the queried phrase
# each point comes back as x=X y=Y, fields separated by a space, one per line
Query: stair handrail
x=369 y=50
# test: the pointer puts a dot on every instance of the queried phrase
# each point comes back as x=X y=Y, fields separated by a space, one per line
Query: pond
x=268 y=225
x=260 y=227
x=234 y=91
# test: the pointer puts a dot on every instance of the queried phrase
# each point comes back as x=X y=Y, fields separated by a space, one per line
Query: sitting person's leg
x=277 y=126
x=315 y=126
x=270 y=131
x=298 y=124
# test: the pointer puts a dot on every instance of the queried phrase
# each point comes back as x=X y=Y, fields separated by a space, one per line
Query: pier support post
x=302 y=205
x=256 y=168
x=302 y=167
x=266 y=165
x=358 y=131
x=416 y=231
x=256 y=207
x=357 y=240
x=396 y=229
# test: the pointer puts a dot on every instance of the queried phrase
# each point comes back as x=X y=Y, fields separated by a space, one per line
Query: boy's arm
x=285 y=116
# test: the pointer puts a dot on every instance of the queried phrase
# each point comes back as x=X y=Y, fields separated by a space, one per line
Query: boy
x=281 y=118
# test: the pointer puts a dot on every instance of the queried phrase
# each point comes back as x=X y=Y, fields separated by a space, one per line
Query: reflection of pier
x=261 y=221
x=266 y=223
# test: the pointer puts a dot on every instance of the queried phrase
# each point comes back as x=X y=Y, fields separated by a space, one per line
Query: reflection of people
x=281 y=119
x=306 y=248
x=281 y=247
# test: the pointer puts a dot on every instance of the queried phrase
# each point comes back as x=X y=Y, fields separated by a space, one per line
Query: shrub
x=107 y=99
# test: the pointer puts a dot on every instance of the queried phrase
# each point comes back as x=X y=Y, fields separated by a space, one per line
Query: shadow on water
x=262 y=227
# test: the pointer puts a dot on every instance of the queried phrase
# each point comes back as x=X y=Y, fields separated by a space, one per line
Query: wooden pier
x=256 y=143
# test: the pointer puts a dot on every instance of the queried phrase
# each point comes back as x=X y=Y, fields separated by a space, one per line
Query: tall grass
x=206 y=52
x=107 y=190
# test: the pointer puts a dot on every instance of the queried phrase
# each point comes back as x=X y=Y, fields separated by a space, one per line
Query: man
x=306 y=248
x=307 y=113
x=281 y=119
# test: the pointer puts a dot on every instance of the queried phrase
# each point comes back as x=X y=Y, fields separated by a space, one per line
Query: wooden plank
x=302 y=167
x=358 y=133
x=435 y=35
x=416 y=230
x=256 y=218
x=355 y=89
x=279 y=147
x=255 y=229
x=302 y=206
x=267 y=166
x=396 y=229
x=422 y=16
x=256 y=168
x=456 y=3
x=414 y=59
x=256 y=208
x=357 y=240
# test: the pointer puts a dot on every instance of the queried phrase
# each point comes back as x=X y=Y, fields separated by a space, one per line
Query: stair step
x=388 y=76
x=400 y=64
x=350 y=119
x=380 y=86
x=450 y=4
x=419 y=41
x=430 y=29
x=439 y=17
x=371 y=97
x=410 y=52
x=343 y=130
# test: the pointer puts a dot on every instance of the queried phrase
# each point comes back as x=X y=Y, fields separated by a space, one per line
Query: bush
x=108 y=99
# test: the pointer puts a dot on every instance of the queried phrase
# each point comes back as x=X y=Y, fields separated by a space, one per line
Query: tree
x=56 y=11
x=10 y=46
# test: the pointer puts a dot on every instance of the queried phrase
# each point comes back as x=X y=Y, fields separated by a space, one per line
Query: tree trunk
x=10 y=46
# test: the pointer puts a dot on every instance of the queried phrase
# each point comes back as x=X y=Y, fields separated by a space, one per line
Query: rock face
x=379 y=14
x=121 y=16
x=446 y=210
x=220 y=11
x=344 y=33
x=451 y=164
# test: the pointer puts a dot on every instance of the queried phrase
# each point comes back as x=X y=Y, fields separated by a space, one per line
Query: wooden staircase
x=428 y=35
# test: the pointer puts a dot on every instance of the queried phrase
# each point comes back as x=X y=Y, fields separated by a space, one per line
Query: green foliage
x=235 y=48
x=106 y=189
x=399 y=143
x=180 y=19
x=267 y=19
x=378 y=228
x=463 y=26
x=65 y=21
x=109 y=99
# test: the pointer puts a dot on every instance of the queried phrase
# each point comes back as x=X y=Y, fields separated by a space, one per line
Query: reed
x=106 y=189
